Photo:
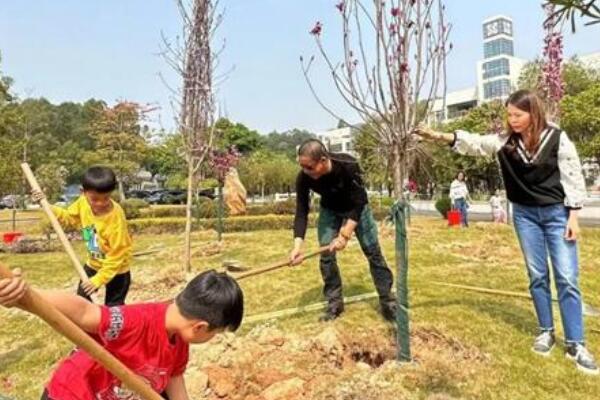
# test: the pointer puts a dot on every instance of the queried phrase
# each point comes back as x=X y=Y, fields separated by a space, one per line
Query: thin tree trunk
x=121 y=191
x=188 y=219
x=220 y=213
x=398 y=172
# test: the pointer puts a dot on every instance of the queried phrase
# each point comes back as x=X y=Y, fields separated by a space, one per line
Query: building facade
x=340 y=140
x=497 y=73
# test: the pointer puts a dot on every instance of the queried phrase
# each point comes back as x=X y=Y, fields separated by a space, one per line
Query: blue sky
x=74 y=50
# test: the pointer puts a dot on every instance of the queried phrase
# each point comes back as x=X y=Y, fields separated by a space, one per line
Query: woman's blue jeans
x=541 y=233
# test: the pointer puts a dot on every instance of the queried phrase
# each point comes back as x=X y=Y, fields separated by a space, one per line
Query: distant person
x=104 y=230
x=459 y=196
x=544 y=182
x=498 y=213
x=344 y=211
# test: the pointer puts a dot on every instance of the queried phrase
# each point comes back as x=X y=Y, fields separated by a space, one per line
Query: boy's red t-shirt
x=136 y=335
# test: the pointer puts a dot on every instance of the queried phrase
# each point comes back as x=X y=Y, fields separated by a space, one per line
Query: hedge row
x=231 y=224
x=208 y=210
x=176 y=224
x=237 y=224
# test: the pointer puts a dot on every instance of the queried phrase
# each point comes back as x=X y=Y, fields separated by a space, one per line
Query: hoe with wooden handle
x=33 y=303
x=57 y=228
x=277 y=265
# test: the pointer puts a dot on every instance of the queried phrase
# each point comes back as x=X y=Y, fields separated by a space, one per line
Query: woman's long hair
x=529 y=102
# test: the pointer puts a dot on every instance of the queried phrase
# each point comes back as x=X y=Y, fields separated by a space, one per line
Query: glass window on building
x=497 y=88
x=495 y=68
x=497 y=47
x=336 y=147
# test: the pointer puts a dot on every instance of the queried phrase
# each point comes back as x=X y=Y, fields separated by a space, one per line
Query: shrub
x=72 y=233
x=234 y=224
x=380 y=213
x=385 y=201
x=207 y=208
x=204 y=208
x=163 y=211
x=443 y=205
x=284 y=207
x=133 y=207
x=287 y=207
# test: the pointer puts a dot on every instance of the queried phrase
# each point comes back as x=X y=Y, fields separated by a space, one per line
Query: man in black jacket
x=344 y=210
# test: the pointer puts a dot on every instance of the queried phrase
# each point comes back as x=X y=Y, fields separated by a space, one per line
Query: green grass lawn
x=500 y=328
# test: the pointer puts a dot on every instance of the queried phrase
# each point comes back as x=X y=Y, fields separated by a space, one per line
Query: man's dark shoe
x=331 y=313
x=389 y=310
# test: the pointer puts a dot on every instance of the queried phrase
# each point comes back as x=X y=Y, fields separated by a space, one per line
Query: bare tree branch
x=402 y=46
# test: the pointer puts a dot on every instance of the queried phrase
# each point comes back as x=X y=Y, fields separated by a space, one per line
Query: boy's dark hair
x=99 y=179
x=213 y=297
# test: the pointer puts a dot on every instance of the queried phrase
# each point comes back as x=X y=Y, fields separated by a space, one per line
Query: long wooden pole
x=57 y=227
x=588 y=310
x=33 y=303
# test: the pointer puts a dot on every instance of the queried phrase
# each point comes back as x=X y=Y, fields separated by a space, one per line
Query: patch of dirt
x=157 y=286
x=31 y=245
x=209 y=249
x=268 y=364
x=486 y=250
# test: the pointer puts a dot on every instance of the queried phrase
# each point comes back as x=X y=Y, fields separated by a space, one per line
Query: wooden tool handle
x=32 y=302
x=278 y=265
x=57 y=227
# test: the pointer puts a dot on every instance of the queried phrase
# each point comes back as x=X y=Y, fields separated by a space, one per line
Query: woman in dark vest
x=544 y=181
x=344 y=211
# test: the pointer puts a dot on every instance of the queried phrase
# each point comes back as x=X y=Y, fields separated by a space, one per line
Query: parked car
x=210 y=193
x=168 y=197
x=176 y=196
x=142 y=194
x=10 y=201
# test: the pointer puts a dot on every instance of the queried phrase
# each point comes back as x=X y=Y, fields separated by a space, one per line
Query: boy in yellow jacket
x=104 y=230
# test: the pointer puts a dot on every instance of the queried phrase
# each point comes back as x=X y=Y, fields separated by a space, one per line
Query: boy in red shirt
x=151 y=339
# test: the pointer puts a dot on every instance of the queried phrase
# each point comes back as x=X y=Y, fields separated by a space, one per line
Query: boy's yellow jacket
x=107 y=238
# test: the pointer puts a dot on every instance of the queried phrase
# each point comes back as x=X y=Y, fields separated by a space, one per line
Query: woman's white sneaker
x=544 y=343
x=583 y=358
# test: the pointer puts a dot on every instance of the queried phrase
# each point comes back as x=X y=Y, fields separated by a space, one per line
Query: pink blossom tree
x=551 y=82
x=391 y=70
